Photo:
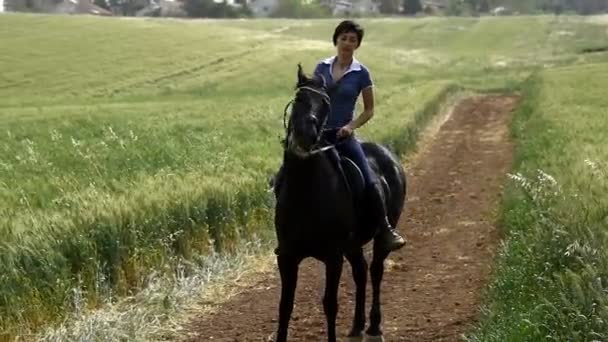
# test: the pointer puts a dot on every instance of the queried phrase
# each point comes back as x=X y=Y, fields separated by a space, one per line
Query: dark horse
x=316 y=213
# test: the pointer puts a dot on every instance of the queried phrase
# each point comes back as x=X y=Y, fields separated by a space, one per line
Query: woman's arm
x=366 y=114
x=368 y=108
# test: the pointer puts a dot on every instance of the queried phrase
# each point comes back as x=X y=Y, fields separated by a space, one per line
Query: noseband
x=326 y=100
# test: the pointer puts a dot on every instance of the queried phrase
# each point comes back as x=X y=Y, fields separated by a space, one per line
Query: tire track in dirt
x=432 y=288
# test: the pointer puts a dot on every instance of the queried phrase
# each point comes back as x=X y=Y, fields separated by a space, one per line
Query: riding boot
x=389 y=240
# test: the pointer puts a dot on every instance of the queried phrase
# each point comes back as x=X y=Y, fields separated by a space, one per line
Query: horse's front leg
x=359 y=267
x=288 y=268
x=333 y=272
x=374 y=332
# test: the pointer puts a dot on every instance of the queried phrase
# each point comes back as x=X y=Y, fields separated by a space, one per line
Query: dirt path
x=432 y=287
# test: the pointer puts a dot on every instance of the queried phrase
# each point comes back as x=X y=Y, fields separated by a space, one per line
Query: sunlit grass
x=552 y=272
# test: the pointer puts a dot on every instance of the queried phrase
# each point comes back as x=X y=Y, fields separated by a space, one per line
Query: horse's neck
x=310 y=174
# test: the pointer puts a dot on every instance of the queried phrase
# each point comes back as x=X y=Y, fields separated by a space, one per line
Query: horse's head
x=309 y=112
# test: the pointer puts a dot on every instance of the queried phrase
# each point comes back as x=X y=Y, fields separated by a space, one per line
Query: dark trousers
x=351 y=148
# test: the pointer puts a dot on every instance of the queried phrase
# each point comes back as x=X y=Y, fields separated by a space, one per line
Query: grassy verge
x=158 y=312
x=109 y=249
x=551 y=277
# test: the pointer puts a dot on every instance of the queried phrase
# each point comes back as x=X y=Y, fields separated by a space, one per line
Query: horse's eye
x=313 y=120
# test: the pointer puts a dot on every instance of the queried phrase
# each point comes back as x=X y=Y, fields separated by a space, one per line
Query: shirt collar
x=354 y=66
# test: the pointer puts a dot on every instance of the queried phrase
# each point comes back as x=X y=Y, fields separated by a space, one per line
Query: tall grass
x=552 y=272
x=159 y=311
x=117 y=238
x=129 y=145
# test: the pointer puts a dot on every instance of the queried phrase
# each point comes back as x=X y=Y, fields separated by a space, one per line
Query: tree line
x=474 y=7
x=323 y=8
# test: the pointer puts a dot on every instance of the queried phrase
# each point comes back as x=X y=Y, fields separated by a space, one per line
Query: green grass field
x=552 y=273
x=126 y=143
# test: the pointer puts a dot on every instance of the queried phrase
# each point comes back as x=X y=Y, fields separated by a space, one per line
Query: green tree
x=484 y=6
x=411 y=7
x=102 y=4
x=454 y=7
x=211 y=9
x=198 y=8
x=297 y=9
x=389 y=6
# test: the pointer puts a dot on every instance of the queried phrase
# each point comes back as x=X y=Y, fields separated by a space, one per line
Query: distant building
x=262 y=8
x=350 y=7
x=162 y=8
x=500 y=10
x=432 y=6
x=80 y=7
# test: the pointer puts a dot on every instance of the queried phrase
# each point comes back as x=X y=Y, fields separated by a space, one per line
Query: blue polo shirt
x=344 y=97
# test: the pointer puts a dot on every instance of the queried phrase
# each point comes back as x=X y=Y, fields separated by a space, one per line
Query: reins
x=326 y=99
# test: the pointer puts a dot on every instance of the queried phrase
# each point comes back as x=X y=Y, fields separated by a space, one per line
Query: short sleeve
x=365 y=80
x=317 y=71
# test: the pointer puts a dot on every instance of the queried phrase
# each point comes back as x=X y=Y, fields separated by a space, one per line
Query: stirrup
x=390 y=240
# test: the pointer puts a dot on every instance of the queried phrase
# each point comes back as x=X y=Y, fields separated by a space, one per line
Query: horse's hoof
x=379 y=338
x=271 y=337
x=354 y=338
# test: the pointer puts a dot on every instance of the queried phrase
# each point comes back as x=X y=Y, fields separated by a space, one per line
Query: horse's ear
x=301 y=77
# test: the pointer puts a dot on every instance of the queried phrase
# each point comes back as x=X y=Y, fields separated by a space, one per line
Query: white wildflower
x=545 y=177
x=55 y=135
x=591 y=164
x=133 y=136
x=76 y=143
x=113 y=135
x=519 y=179
x=32 y=156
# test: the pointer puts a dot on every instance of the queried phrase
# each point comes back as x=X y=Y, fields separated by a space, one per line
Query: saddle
x=353 y=177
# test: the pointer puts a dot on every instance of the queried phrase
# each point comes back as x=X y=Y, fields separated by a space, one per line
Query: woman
x=346 y=78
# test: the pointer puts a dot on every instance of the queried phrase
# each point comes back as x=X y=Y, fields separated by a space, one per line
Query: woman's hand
x=345 y=132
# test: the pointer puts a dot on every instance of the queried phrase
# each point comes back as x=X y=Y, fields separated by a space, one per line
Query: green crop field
x=128 y=144
x=553 y=272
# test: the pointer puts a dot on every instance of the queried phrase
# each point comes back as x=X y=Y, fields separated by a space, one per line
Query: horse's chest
x=313 y=215
x=317 y=214
x=328 y=219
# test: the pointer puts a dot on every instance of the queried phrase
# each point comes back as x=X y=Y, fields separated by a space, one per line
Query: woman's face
x=347 y=42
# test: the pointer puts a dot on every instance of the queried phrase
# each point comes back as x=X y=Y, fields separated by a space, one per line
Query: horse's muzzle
x=300 y=148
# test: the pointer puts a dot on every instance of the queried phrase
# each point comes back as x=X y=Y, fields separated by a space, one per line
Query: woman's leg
x=389 y=239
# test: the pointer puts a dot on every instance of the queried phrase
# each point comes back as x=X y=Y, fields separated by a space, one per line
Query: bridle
x=316 y=148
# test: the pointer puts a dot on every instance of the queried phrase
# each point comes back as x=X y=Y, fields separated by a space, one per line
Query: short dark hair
x=348 y=26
